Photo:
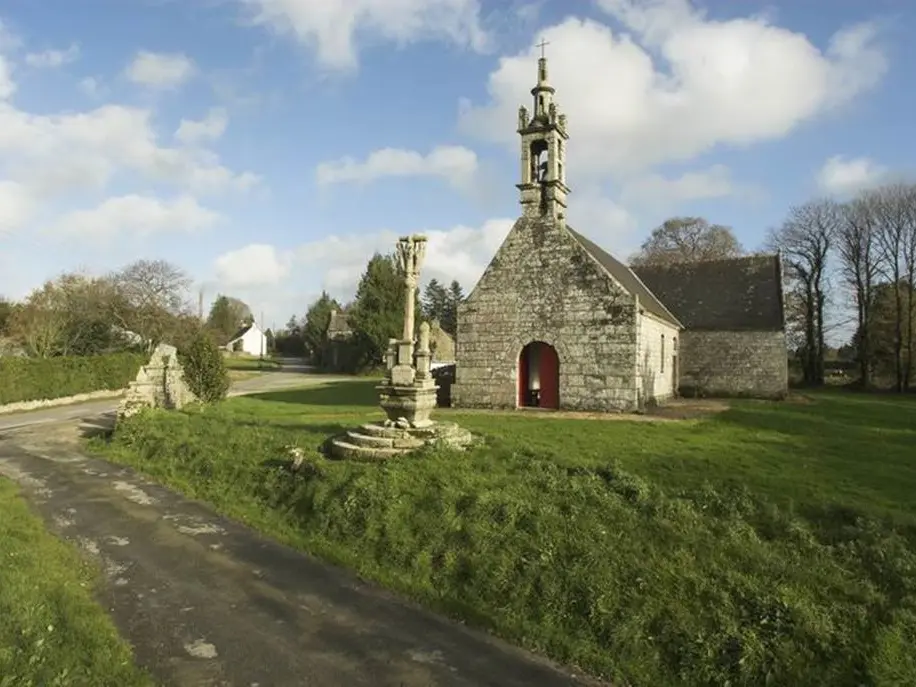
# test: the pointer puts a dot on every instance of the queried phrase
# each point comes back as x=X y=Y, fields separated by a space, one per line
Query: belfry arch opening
x=538 y=376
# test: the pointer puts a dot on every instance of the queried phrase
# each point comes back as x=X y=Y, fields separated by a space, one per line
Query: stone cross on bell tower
x=543 y=188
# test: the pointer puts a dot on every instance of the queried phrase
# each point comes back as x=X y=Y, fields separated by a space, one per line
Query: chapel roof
x=734 y=294
x=625 y=276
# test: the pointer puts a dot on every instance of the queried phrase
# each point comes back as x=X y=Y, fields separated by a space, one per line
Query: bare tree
x=153 y=294
x=805 y=241
x=40 y=323
x=893 y=240
x=909 y=265
x=856 y=243
x=687 y=239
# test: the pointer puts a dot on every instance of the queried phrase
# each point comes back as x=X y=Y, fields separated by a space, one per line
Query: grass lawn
x=771 y=544
x=51 y=630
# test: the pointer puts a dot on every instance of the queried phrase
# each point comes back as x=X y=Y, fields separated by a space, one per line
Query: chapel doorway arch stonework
x=538 y=376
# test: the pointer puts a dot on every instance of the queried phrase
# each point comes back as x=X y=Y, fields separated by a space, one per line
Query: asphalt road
x=206 y=601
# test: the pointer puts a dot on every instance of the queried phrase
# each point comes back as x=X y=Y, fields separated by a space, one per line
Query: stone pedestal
x=408 y=394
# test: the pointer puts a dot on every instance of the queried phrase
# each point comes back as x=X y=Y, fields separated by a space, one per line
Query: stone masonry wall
x=542 y=286
x=741 y=363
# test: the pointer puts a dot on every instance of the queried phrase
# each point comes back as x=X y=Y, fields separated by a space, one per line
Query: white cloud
x=713 y=182
x=460 y=253
x=842 y=176
x=16 y=206
x=677 y=85
x=208 y=129
x=91 y=87
x=455 y=164
x=332 y=27
x=51 y=59
x=137 y=216
x=88 y=148
x=7 y=85
x=255 y=265
x=160 y=70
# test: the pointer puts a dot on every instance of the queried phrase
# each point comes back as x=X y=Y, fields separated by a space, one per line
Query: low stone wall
x=742 y=363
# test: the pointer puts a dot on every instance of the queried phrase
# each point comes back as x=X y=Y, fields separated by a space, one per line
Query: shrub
x=37 y=379
x=204 y=368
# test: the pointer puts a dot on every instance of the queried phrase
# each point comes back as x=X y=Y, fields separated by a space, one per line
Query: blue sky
x=270 y=146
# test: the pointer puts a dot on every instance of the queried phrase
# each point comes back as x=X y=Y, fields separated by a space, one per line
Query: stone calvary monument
x=408 y=392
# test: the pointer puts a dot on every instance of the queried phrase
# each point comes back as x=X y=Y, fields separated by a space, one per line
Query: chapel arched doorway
x=538 y=376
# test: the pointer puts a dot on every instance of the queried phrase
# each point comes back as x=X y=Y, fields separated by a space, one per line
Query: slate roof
x=628 y=279
x=240 y=333
x=736 y=294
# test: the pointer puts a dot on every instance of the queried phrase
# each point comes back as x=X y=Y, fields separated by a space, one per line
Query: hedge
x=36 y=379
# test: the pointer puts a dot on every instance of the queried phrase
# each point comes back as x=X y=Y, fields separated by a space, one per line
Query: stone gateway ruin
x=557 y=322
x=159 y=384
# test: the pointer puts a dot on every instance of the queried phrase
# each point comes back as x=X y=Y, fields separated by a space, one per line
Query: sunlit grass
x=769 y=544
x=52 y=633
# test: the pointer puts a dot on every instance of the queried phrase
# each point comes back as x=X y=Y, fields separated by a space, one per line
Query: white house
x=249 y=339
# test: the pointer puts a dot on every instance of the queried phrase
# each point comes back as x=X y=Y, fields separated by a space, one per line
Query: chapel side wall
x=656 y=359
x=542 y=287
x=743 y=363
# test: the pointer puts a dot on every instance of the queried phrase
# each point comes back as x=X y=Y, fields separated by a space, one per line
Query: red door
x=550 y=376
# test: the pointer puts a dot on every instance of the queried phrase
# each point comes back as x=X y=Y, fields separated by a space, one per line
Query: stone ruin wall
x=542 y=286
x=733 y=363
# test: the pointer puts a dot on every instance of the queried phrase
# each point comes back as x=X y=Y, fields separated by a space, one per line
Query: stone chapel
x=557 y=322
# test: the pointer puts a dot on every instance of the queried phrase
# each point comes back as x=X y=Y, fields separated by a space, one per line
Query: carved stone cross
x=410 y=254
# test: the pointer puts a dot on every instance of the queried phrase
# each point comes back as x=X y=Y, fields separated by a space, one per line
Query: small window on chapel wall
x=663 y=353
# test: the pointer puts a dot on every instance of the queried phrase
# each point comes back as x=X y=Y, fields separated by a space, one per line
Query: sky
x=270 y=147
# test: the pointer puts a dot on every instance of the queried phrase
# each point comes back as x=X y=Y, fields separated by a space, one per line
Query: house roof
x=241 y=332
x=627 y=279
x=339 y=324
x=733 y=294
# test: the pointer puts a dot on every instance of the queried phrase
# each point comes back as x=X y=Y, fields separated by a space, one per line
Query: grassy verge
x=51 y=630
x=250 y=363
x=770 y=544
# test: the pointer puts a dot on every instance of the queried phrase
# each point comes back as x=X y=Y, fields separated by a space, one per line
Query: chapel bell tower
x=543 y=186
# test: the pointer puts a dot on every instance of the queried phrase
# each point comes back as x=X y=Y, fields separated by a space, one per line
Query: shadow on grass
x=341 y=394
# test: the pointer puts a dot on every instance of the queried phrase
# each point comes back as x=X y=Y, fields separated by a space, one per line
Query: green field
x=771 y=544
x=52 y=633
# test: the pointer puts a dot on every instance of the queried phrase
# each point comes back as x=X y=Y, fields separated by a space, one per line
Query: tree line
x=135 y=308
x=848 y=266
x=859 y=253
x=375 y=315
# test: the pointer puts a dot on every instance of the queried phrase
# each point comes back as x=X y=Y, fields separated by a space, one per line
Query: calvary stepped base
x=378 y=442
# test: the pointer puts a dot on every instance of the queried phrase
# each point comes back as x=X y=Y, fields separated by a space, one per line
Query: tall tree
x=154 y=295
x=805 y=240
x=687 y=239
x=227 y=315
x=895 y=235
x=434 y=301
x=6 y=311
x=859 y=256
x=315 y=327
x=377 y=314
x=455 y=297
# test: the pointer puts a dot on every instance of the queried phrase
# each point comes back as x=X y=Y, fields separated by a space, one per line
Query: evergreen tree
x=454 y=296
x=434 y=304
x=227 y=314
x=315 y=327
x=270 y=341
x=377 y=313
